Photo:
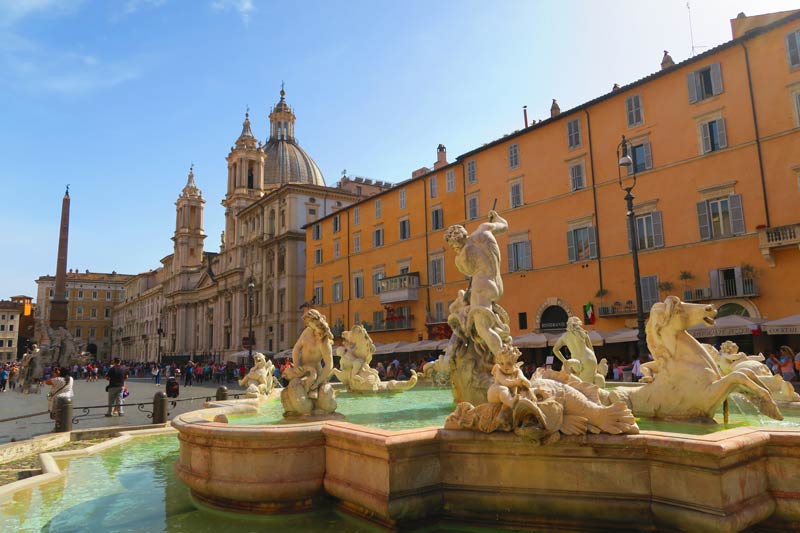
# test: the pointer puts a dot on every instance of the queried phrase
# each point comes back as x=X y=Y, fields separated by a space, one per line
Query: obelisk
x=58 y=309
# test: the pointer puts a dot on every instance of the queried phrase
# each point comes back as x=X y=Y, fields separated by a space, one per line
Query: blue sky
x=118 y=97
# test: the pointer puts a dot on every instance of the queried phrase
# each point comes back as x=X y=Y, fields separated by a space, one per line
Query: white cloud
x=243 y=7
x=133 y=6
x=12 y=11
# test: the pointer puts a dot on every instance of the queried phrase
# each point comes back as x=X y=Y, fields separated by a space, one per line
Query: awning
x=783 y=326
x=392 y=347
x=621 y=335
x=726 y=326
x=596 y=338
x=530 y=340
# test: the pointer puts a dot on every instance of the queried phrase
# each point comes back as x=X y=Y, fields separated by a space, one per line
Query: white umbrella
x=789 y=325
x=594 y=336
x=530 y=340
x=621 y=335
x=726 y=326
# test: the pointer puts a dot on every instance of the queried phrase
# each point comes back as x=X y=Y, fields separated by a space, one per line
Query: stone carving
x=260 y=379
x=479 y=324
x=438 y=371
x=582 y=362
x=355 y=356
x=730 y=359
x=540 y=409
x=31 y=369
x=309 y=392
x=683 y=380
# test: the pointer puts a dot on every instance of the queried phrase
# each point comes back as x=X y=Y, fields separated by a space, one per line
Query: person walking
x=60 y=386
x=116 y=377
x=787 y=363
x=156 y=372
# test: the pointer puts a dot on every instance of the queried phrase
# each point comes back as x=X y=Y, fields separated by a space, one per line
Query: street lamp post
x=250 y=286
x=160 y=333
x=627 y=183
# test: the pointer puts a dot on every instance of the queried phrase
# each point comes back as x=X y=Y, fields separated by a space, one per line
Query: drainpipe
x=425 y=204
x=594 y=197
x=758 y=137
x=349 y=274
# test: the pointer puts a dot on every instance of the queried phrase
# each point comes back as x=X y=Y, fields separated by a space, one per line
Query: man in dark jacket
x=116 y=377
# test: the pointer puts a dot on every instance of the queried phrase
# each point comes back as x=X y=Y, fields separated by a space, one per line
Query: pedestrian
x=4 y=373
x=636 y=369
x=60 y=386
x=787 y=363
x=156 y=372
x=116 y=377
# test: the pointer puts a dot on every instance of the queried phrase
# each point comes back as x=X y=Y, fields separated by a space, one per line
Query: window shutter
x=737 y=214
x=716 y=78
x=722 y=135
x=793 y=48
x=706 y=137
x=658 y=229
x=648 y=156
x=592 y=243
x=713 y=277
x=630 y=110
x=692 y=85
x=527 y=264
x=737 y=274
x=512 y=262
x=702 y=221
x=630 y=235
x=649 y=292
x=571 y=246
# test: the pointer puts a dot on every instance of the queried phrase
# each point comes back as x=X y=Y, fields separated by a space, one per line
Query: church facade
x=201 y=303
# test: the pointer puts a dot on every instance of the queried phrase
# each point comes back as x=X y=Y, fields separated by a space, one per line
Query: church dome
x=286 y=162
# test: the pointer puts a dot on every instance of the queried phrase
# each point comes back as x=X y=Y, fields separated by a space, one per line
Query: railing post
x=222 y=394
x=159 y=407
x=63 y=416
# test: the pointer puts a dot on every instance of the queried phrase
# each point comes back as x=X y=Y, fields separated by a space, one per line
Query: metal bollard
x=222 y=394
x=160 y=407
x=63 y=414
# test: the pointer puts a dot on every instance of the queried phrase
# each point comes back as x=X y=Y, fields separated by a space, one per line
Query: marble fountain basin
x=722 y=481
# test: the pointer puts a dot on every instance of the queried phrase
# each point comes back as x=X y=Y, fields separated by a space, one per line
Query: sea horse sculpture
x=355 y=356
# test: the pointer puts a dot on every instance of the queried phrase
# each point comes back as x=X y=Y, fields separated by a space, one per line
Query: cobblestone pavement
x=93 y=394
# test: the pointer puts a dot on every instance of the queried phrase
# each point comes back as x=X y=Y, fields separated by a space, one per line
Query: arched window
x=271 y=229
x=554 y=318
x=729 y=309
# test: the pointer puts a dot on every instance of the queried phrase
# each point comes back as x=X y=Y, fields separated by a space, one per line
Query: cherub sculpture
x=260 y=379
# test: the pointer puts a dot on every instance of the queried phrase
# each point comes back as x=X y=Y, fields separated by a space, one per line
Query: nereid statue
x=355 y=356
x=309 y=392
x=582 y=362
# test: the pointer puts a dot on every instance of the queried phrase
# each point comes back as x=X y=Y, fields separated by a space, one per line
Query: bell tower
x=189 y=234
x=281 y=121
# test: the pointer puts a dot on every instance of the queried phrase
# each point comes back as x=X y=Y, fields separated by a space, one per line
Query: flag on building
x=588 y=314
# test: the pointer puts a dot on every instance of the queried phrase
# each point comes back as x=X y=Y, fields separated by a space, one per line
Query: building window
x=793 y=48
x=581 y=244
x=437 y=218
x=796 y=103
x=713 y=135
x=472 y=207
x=405 y=229
x=434 y=185
x=318 y=256
x=51 y=293
x=337 y=224
x=377 y=276
x=356 y=216
x=356 y=318
x=438 y=312
x=642 y=157
x=78 y=331
x=450 y=180
x=513 y=156
x=402 y=201
x=92 y=333
x=633 y=109
x=377 y=238
x=574 y=133
x=108 y=295
x=316 y=232
x=80 y=295
x=704 y=83
x=523 y=320
x=649 y=231
x=79 y=310
x=358 y=285
x=378 y=208
x=93 y=312
x=281 y=300
x=649 y=292
x=356 y=243
x=106 y=332
x=576 y=179
x=720 y=217
x=436 y=272
x=519 y=256
x=94 y=295
x=337 y=291
x=516 y=194
x=472 y=173
x=319 y=295
x=336 y=249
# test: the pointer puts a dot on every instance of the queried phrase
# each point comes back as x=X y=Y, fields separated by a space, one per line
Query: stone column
x=58 y=310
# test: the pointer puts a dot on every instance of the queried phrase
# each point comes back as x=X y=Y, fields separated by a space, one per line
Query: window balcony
x=728 y=288
x=402 y=322
x=402 y=288
x=617 y=309
x=777 y=237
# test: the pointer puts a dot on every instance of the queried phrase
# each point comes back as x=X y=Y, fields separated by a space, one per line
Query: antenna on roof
x=691 y=31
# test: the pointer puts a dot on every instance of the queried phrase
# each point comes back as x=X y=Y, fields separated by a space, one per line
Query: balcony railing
x=728 y=288
x=777 y=237
x=617 y=309
x=405 y=322
x=402 y=288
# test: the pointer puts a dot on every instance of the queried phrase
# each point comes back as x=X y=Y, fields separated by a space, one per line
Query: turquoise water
x=429 y=406
x=416 y=408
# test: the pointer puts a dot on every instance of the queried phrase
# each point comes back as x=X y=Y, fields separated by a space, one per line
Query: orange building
x=715 y=145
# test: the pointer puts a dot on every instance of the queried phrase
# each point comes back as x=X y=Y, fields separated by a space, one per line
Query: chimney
x=666 y=61
x=554 y=109
x=441 y=157
x=525 y=114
